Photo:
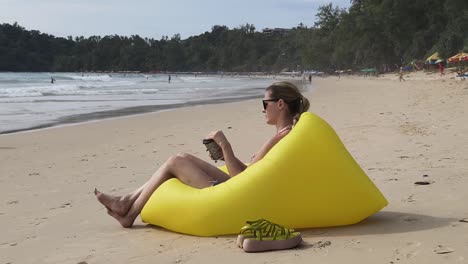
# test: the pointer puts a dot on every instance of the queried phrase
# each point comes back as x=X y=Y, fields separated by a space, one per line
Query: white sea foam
x=30 y=99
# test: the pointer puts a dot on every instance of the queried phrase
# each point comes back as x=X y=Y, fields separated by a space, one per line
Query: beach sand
x=399 y=132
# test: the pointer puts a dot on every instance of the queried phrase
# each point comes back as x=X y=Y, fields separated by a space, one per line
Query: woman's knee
x=183 y=155
x=178 y=159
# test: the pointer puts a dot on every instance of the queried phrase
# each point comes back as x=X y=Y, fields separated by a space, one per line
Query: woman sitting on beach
x=283 y=104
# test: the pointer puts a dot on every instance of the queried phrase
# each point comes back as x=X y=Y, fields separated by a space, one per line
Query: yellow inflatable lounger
x=308 y=179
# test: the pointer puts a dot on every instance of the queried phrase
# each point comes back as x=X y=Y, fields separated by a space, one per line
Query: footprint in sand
x=423 y=182
x=352 y=242
x=38 y=221
x=410 y=250
x=321 y=244
x=441 y=249
x=409 y=199
x=413 y=129
x=392 y=179
x=65 y=205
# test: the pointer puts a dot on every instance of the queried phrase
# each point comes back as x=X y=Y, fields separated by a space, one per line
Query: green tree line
x=370 y=33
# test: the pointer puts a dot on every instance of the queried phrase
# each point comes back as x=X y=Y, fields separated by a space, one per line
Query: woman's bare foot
x=126 y=221
x=117 y=204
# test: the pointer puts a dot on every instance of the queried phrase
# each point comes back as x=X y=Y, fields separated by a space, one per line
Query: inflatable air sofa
x=308 y=179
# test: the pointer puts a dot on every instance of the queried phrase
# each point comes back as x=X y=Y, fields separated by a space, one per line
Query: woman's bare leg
x=189 y=169
x=121 y=204
x=118 y=204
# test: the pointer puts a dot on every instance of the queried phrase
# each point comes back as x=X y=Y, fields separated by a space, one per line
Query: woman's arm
x=267 y=146
x=233 y=164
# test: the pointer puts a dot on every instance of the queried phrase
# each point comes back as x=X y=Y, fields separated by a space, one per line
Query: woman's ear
x=281 y=104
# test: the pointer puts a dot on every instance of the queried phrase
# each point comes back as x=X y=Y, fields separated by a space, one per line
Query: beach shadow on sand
x=384 y=222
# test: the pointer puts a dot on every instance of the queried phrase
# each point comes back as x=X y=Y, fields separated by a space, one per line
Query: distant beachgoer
x=401 y=74
x=169 y=78
x=441 y=68
x=52 y=80
x=310 y=78
x=282 y=105
x=460 y=72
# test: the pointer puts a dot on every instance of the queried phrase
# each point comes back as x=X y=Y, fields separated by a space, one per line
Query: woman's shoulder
x=283 y=133
x=277 y=137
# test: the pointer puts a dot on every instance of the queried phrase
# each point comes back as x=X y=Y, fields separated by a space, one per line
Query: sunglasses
x=265 y=102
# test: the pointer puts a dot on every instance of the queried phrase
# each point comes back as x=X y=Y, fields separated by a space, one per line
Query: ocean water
x=30 y=100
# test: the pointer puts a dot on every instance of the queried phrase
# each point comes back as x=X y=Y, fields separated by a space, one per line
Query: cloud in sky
x=155 y=18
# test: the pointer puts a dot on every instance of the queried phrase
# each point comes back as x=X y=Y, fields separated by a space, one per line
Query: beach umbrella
x=432 y=58
x=462 y=56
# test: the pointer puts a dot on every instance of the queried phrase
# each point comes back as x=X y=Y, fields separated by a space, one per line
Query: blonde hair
x=297 y=103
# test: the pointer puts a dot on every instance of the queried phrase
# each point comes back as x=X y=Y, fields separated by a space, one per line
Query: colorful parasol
x=462 y=56
x=433 y=57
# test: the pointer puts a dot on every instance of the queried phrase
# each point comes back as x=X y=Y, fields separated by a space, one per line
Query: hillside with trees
x=370 y=33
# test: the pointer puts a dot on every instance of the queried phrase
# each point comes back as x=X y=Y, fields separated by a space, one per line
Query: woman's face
x=270 y=108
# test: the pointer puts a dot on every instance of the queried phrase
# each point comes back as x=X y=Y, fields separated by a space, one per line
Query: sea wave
x=103 y=78
x=30 y=99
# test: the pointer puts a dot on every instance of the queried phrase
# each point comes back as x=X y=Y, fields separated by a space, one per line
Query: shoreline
x=123 y=112
x=136 y=110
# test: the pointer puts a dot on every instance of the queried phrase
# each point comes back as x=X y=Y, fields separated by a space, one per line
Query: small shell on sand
x=440 y=249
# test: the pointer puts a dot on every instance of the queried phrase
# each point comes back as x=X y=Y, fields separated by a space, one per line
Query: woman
x=283 y=104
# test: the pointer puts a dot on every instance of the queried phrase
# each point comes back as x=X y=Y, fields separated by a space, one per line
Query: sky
x=157 y=18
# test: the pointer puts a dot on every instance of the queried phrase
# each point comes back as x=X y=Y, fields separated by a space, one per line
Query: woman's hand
x=233 y=164
x=219 y=138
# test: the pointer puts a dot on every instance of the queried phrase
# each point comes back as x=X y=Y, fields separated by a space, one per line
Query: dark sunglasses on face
x=265 y=102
